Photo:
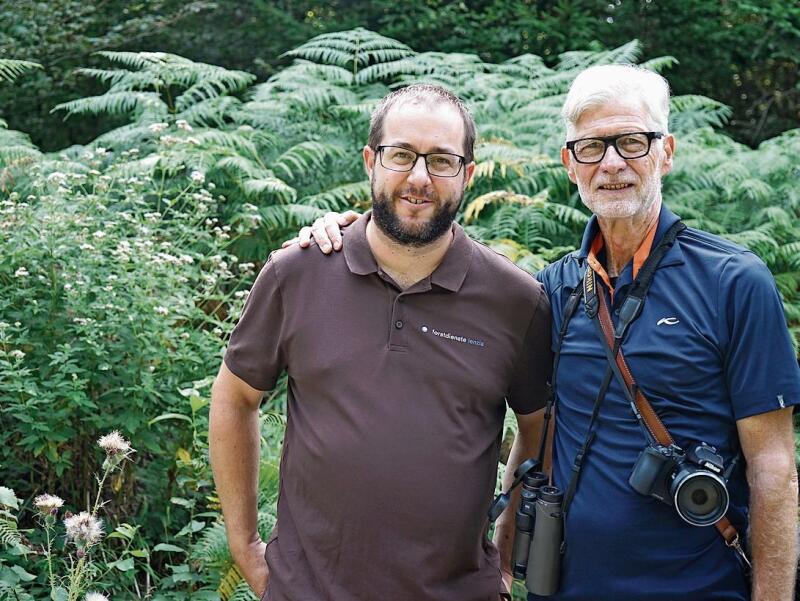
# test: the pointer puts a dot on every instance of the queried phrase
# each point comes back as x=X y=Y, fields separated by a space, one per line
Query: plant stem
x=75 y=580
x=47 y=528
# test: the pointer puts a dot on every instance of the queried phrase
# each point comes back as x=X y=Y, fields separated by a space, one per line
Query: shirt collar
x=593 y=242
x=450 y=274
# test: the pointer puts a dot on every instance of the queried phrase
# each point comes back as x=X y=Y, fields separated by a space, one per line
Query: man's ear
x=369 y=160
x=469 y=171
x=565 y=160
x=669 y=152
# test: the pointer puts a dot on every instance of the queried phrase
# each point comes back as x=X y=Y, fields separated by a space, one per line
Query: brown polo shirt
x=395 y=410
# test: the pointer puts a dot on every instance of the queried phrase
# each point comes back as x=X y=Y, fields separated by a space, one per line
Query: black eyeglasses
x=633 y=145
x=439 y=164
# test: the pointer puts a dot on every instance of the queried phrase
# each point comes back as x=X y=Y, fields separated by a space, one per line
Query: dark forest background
x=742 y=53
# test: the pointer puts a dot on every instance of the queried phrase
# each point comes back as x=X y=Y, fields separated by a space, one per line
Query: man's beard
x=385 y=217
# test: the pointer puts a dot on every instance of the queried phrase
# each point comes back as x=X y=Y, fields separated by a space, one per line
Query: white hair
x=628 y=84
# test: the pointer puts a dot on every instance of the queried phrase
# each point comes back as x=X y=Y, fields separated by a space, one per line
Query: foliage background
x=149 y=188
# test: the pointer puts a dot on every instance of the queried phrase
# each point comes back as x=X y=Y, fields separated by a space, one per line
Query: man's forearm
x=526 y=443
x=234 y=451
x=773 y=530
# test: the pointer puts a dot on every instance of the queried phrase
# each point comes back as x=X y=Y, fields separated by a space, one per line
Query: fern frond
x=113 y=103
x=10 y=68
x=255 y=188
x=340 y=198
x=352 y=49
x=306 y=157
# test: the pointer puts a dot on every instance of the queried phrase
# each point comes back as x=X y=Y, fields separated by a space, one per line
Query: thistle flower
x=116 y=447
x=84 y=530
x=48 y=505
x=114 y=443
x=95 y=597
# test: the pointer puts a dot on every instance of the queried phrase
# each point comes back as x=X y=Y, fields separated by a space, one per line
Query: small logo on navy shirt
x=668 y=321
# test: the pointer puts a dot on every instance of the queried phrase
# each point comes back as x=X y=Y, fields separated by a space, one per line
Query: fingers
x=304 y=237
x=333 y=229
x=346 y=218
x=289 y=243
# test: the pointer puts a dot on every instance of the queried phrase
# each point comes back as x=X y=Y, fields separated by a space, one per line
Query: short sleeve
x=530 y=386
x=255 y=349
x=760 y=364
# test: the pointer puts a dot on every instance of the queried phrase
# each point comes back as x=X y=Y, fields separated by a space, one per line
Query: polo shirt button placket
x=397 y=337
x=398 y=324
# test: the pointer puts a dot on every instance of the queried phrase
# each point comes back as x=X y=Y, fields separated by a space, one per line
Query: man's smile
x=615 y=186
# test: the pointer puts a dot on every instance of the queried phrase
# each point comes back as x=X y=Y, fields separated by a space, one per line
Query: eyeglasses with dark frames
x=632 y=145
x=438 y=164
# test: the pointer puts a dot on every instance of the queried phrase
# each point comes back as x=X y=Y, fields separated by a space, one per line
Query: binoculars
x=536 y=558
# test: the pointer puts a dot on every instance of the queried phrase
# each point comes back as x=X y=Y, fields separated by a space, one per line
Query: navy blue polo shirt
x=710 y=347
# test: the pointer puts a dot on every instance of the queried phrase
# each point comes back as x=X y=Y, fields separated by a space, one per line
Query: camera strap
x=533 y=464
x=597 y=310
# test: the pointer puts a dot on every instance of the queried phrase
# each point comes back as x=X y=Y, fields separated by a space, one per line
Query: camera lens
x=700 y=497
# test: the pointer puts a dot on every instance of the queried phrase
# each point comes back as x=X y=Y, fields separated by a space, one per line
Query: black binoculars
x=540 y=532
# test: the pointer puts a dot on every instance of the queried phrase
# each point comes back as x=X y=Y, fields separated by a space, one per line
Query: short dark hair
x=426 y=93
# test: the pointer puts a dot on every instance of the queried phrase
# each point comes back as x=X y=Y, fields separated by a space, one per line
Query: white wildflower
x=114 y=443
x=100 y=151
x=116 y=447
x=86 y=246
x=17 y=354
x=182 y=124
x=21 y=273
x=157 y=127
x=197 y=177
x=161 y=310
x=57 y=178
x=84 y=529
x=99 y=234
x=169 y=140
x=48 y=504
x=95 y=597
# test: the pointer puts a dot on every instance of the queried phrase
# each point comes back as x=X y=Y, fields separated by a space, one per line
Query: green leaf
x=59 y=594
x=8 y=498
x=191 y=527
x=165 y=416
x=140 y=553
x=168 y=548
x=23 y=575
x=197 y=403
x=123 y=565
x=188 y=503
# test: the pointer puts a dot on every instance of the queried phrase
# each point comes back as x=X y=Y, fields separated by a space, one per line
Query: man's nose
x=419 y=172
x=612 y=162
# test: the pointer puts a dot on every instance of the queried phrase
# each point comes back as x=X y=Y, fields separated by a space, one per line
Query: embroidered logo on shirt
x=453 y=337
x=781 y=402
x=669 y=321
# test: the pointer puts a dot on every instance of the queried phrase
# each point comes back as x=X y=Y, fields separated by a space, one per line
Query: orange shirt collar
x=639 y=257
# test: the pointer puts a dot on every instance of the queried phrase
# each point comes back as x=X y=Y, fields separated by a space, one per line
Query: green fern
x=354 y=49
x=10 y=69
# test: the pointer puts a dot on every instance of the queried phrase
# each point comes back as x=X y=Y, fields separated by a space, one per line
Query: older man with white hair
x=674 y=383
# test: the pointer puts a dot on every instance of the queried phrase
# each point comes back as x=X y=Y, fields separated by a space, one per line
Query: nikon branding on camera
x=693 y=481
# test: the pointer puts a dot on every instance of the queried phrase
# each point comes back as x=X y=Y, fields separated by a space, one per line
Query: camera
x=693 y=481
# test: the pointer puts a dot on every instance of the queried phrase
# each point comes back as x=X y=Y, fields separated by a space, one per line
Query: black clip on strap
x=501 y=501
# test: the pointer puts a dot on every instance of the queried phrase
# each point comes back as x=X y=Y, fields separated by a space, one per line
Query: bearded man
x=399 y=375
x=700 y=361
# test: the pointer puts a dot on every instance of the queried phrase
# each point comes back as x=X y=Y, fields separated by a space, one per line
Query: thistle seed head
x=84 y=530
x=114 y=443
x=48 y=504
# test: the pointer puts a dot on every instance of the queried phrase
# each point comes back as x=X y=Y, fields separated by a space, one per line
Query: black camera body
x=693 y=481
